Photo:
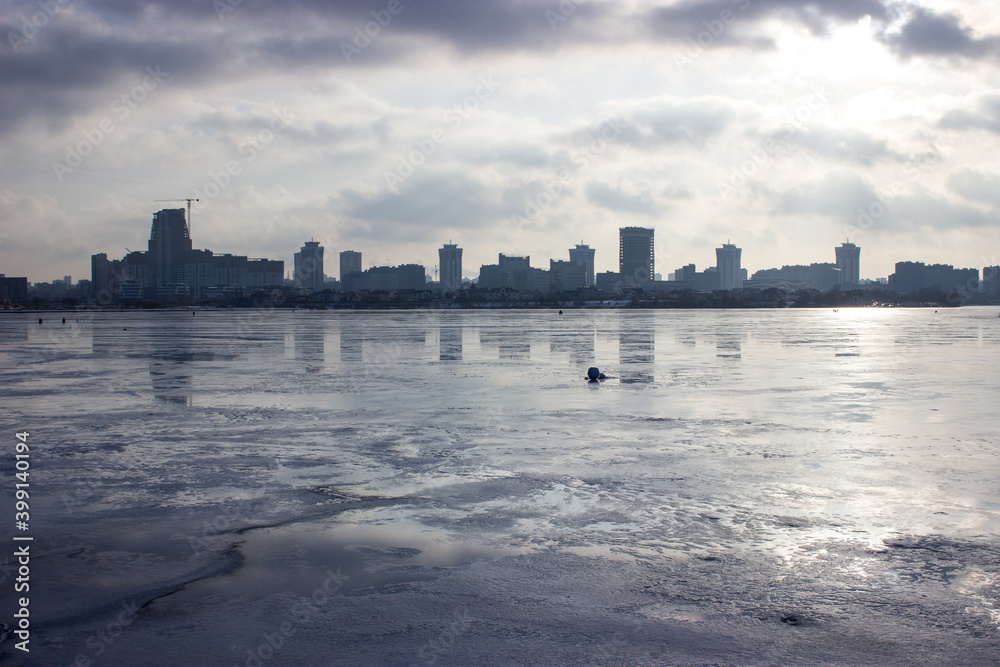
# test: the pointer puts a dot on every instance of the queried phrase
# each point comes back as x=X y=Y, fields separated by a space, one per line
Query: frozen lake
x=445 y=488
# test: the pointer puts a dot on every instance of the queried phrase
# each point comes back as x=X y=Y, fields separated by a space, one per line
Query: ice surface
x=417 y=488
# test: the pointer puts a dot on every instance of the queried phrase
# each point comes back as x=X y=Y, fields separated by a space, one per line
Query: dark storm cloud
x=926 y=33
x=73 y=63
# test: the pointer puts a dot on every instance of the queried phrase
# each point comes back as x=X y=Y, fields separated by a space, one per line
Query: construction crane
x=187 y=222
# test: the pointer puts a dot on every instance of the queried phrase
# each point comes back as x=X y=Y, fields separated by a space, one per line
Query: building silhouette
x=350 y=262
x=818 y=276
x=309 y=266
x=635 y=254
x=991 y=282
x=912 y=277
x=388 y=278
x=13 y=291
x=727 y=263
x=172 y=268
x=169 y=248
x=584 y=256
x=450 y=259
x=566 y=276
x=849 y=263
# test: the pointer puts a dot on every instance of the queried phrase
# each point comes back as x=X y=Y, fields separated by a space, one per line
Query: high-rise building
x=515 y=272
x=388 y=278
x=727 y=262
x=823 y=277
x=991 y=281
x=169 y=247
x=635 y=254
x=350 y=262
x=450 y=257
x=584 y=255
x=566 y=276
x=849 y=263
x=912 y=277
x=13 y=291
x=309 y=266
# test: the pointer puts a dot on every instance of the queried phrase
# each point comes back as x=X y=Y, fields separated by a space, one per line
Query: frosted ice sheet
x=750 y=487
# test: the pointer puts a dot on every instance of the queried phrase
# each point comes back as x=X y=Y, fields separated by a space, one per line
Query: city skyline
x=511 y=126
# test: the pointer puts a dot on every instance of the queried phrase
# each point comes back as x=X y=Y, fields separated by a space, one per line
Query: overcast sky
x=514 y=126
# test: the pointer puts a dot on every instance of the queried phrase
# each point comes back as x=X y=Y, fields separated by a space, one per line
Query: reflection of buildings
x=730 y=345
x=308 y=339
x=636 y=351
x=175 y=347
x=579 y=345
x=450 y=339
x=382 y=345
x=171 y=379
x=351 y=338
x=511 y=343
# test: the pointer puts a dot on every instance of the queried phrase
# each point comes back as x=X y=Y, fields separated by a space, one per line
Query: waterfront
x=766 y=486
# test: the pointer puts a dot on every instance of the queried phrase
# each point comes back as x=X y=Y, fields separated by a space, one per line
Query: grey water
x=446 y=487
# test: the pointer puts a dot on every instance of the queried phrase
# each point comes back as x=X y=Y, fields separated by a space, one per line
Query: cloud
x=986 y=117
x=926 y=210
x=838 y=194
x=843 y=195
x=927 y=33
x=729 y=21
x=977 y=186
x=426 y=202
x=842 y=144
x=621 y=197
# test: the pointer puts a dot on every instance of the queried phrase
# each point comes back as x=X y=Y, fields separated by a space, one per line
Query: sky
x=524 y=127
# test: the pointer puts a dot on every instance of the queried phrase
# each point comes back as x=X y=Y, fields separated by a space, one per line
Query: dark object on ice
x=39 y=320
x=64 y=320
x=594 y=374
x=560 y=312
